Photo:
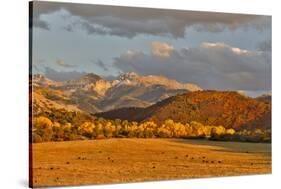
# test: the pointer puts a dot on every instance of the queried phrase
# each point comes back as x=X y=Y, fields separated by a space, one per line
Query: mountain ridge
x=92 y=93
x=230 y=109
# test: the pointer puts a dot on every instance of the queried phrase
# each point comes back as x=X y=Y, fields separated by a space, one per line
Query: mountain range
x=92 y=93
x=142 y=98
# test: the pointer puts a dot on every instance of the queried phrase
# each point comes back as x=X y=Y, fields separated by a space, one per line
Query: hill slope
x=229 y=109
x=264 y=98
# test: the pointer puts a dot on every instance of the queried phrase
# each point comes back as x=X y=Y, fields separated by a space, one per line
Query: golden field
x=133 y=160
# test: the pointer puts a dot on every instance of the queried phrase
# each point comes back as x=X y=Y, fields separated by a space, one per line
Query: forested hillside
x=230 y=109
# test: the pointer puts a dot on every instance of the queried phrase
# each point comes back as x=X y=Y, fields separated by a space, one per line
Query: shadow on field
x=227 y=146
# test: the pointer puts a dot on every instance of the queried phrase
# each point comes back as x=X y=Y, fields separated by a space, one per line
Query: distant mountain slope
x=44 y=100
x=91 y=93
x=264 y=98
x=229 y=109
x=149 y=80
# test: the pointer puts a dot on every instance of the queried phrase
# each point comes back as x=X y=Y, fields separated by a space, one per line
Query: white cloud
x=240 y=51
x=161 y=49
x=220 y=45
x=60 y=62
x=132 y=54
x=213 y=45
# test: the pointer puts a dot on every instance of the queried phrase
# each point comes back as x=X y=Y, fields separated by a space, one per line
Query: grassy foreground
x=133 y=160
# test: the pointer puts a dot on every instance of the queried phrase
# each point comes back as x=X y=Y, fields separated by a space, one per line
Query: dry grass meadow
x=133 y=160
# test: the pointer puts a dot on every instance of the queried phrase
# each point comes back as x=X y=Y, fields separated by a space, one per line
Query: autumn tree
x=99 y=131
x=163 y=132
x=217 y=131
x=86 y=129
x=58 y=132
x=109 y=129
x=198 y=129
x=43 y=127
x=132 y=130
x=230 y=131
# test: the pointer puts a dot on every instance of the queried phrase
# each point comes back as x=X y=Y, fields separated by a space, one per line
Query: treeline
x=62 y=125
x=256 y=135
x=44 y=130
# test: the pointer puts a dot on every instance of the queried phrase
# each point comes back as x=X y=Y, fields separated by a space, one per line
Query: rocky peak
x=41 y=80
x=128 y=76
x=38 y=77
x=91 y=77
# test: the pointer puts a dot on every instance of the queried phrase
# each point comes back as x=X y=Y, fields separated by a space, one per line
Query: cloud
x=38 y=10
x=40 y=24
x=213 y=45
x=37 y=65
x=239 y=51
x=61 y=63
x=62 y=76
x=220 y=46
x=161 y=49
x=38 y=61
x=265 y=46
x=132 y=54
x=101 y=64
x=68 y=28
x=211 y=66
x=129 y=21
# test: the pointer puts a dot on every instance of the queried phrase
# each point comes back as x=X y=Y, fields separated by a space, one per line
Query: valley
x=144 y=128
x=136 y=160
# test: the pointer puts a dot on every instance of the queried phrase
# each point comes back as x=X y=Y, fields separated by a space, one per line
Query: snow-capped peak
x=128 y=76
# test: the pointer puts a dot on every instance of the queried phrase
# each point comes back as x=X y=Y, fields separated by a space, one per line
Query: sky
x=219 y=51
